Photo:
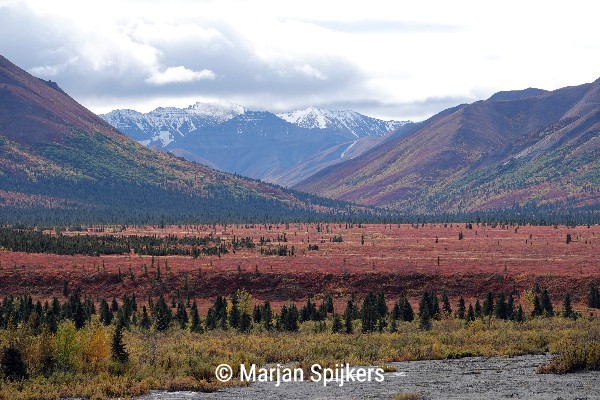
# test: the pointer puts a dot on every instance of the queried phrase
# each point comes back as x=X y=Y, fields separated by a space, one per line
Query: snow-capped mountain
x=350 y=121
x=256 y=144
x=160 y=127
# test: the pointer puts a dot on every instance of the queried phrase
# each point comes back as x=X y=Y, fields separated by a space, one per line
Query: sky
x=388 y=59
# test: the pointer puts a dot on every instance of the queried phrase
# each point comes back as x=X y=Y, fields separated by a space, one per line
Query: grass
x=181 y=360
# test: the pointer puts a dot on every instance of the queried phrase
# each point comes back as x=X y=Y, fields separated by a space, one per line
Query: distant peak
x=516 y=94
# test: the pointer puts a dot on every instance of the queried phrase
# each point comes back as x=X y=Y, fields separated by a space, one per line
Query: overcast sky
x=388 y=59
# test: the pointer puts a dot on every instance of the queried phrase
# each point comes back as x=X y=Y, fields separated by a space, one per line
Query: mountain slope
x=535 y=149
x=259 y=145
x=60 y=162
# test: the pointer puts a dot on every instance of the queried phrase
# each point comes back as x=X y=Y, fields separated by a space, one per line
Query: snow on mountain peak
x=219 y=111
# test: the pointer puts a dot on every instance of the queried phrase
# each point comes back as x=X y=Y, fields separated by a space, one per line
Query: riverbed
x=468 y=378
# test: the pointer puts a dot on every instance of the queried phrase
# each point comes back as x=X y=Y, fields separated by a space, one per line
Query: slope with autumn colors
x=528 y=149
x=59 y=162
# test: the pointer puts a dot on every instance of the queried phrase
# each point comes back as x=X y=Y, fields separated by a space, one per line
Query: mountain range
x=532 y=149
x=256 y=144
x=525 y=152
x=60 y=163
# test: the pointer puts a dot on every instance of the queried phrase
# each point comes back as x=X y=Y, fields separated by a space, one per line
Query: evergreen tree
x=382 y=309
x=337 y=324
x=446 y=308
x=145 y=322
x=435 y=311
x=510 y=307
x=537 y=307
x=267 y=316
x=12 y=365
x=396 y=314
x=257 y=314
x=329 y=304
x=488 y=304
x=519 y=314
x=406 y=310
x=424 y=312
x=182 y=316
x=470 y=313
x=162 y=314
x=235 y=315
x=196 y=325
x=105 y=315
x=478 y=312
x=547 y=308
x=460 y=309
x=114 y=306
x=500 y=308
x=118 y=350
x=369 y=313
x=593 y=297
x=567 y=307
x=211 y=319
x=349 y=317
x=245 y=322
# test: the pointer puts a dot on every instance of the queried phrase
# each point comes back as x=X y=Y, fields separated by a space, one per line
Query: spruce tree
x=424 y=312
x=162 y=314
x=519 y=315
x=182 y=316
x=245 y=322
x=118 y=350
x=567 y=307
x=510 y=307
x=211 y=319
x=446 y=308
x=267 y=316
x=406 y=309
x=145 y=322
x=114 y=306
x=500 y=308
x=593 y=297
x=12 y=365
x=105 y=315
x=477 y=311
x=488 y=304
x=546 y=303
x=537 y=307
x=460 y=309
x=348 y=317
x=196 y=325
x=336 y=327
x=470 y=313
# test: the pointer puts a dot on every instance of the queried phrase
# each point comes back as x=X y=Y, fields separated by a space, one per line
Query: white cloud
x=310 y=71
x=179 y=75
x=274 y=54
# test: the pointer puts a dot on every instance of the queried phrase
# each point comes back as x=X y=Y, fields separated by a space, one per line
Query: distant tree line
x=33 y=241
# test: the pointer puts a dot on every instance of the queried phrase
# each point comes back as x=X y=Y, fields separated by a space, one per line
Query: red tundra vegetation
x=320 y=259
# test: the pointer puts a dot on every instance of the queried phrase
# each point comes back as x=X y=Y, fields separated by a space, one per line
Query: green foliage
x=118 y=351
x=11 y=364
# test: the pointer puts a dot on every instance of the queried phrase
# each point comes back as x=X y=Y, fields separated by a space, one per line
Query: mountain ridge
x=61 y=163
x=538 y=151
x=257 y=135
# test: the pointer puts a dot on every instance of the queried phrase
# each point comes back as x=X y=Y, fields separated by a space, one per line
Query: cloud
x=353 y=55
x=310 y=71
x=179 y=75
x=383 y=26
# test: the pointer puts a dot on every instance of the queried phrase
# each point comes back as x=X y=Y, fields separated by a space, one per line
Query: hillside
x=256 y=144
x=60 y=163
x=530 y=149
